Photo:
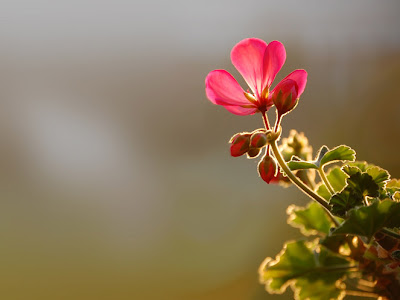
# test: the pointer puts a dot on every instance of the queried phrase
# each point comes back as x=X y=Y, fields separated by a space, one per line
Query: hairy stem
x=299 y=183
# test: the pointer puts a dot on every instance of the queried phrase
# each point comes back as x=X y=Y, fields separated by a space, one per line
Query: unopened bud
x=285 y=96
x=267 y=168
x=258 y=140
x=253 y=152
x=240 y=144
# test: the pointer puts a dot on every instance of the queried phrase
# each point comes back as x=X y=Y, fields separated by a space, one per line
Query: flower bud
x=285 y=96
x=267 y=168
x=253 y=152
x=240 y=144
x=258 y=140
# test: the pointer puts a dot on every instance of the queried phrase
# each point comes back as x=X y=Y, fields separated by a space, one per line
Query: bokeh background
x=116 y=182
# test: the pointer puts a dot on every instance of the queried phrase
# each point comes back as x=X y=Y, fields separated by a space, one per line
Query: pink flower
x=258 y=63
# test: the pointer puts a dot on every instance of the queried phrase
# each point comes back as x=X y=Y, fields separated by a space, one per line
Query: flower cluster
x=258 y=63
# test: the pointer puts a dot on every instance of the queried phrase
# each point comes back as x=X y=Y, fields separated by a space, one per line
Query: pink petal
x=240 y=111
x=300 y=76
x=274 y=58
x=248 y=57
x=223 y=89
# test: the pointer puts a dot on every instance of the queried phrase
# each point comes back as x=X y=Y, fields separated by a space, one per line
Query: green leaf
x=301 y=265
x=344 y=201
x=317 y=289
x=379 y=175
x=363 y=185
x=393 y=186
x=362 y=165
x=359 y=186
x=337 y=178
x=311 y=220
x=351 y=170
x=298 y=164
x=368 y=220
x=340 y=153
x=324 y=156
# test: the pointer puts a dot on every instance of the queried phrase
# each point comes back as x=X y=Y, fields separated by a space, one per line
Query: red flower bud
x=285 y=96
x=267 y=168
x=240 y=144
x=253 y=152
x=258 y=140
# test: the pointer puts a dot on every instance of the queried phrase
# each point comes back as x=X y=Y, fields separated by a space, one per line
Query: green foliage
x=344 y=201
x=359 y=185
x=362 y=185
x=312 y=271
x=324 y=157
x=340 y=153
x=379 y=175
x=337 y=179
x=366 y=221
x=393 y=186
x=311 y=220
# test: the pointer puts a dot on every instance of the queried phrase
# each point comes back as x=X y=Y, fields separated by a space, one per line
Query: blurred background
x=116 y=180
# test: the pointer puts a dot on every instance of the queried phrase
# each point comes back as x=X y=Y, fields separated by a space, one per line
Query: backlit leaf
x=368 y=220
x=311 y=272
x=340 y=153
x=310 y=220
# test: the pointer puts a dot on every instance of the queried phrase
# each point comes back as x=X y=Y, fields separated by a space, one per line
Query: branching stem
x=295 y=180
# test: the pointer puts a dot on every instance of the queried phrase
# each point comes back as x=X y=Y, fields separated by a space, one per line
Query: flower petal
x=223 y=89
x=240 y=111
x=275 y=56
x=300 y=76
x=248 y=57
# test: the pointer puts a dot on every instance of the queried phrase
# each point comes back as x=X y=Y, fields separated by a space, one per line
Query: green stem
x=299 y=183
x=391 y=233
x=325 y=180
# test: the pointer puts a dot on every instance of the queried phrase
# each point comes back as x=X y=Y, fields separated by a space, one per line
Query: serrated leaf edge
x=306 y=232
x=291 y=282
x=333 y=161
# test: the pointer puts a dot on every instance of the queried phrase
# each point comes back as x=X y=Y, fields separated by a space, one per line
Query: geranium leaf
x=368 y=220
x=393 y=186
x=302 y=265
x=311 y=220
x=317 y=289
x=344 y=201
x=340 y=153
x=379 y=175
x=362 y=165
x=351 y=170
x=363 y=185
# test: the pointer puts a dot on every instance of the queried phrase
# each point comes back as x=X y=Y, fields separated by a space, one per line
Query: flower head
x=258 y=63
